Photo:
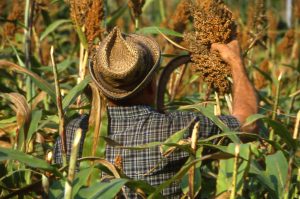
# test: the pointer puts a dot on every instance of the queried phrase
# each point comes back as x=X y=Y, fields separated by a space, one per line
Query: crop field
x=45 y=48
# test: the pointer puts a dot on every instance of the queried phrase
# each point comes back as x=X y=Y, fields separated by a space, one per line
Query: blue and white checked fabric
x=137 y=125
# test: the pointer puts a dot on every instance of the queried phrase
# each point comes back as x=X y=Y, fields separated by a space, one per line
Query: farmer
x=124 y=69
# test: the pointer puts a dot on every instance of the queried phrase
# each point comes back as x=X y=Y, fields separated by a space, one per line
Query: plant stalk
x=72 y=164
x=235 y=171
x=136 y=23
x=293 y=98
x=97 y=125
x=296 y=136
x=82 y=71
x=162 y=10
x=296 y=129
x=217 y=106
x=192 y=169
x=61 y=127
x=275 y=107
x=28 y=20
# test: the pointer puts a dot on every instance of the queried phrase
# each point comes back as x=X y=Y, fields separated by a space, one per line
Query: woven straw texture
x=123 y=64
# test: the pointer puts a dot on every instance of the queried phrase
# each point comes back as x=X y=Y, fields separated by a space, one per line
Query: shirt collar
x=128 y=111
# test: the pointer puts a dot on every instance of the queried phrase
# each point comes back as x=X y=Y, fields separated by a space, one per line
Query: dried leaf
x=20 y=106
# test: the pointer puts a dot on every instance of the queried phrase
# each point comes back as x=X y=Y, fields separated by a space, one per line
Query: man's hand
x=230 y=52
x=244 y=96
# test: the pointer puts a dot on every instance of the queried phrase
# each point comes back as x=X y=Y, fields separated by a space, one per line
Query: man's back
x=137 y=125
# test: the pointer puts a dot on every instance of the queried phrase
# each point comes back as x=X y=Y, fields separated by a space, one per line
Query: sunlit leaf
x=20 y=106
x=35 y=119
x=39 y=82
x=75 y=92
x=224 y=180
x=210 y=114
x=31 y=161
x=52 y=27
x=105 y=190
x=112 y=19
x=157 y=30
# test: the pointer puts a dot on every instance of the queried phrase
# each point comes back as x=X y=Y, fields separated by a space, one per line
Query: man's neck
x=114 y=104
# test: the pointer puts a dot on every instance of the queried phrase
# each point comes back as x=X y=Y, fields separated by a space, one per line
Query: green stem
x=61 y=127
x=28 y=20
x=162 y=10
x=293 y=100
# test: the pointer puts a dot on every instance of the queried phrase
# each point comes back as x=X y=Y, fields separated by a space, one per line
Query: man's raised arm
x=244 y=96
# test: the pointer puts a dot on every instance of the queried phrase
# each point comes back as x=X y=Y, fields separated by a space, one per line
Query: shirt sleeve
x=79 y=122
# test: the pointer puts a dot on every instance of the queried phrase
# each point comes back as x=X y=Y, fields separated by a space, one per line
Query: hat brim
x=121 y=94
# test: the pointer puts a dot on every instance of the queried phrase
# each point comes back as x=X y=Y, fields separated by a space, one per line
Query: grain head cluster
x=16 y=13
x=136 y=7
x=181 y=16
x=285 y=47
x=88 y=14
x=213 y=23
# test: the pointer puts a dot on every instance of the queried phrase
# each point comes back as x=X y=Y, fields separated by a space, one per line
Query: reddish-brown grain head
x=136 y=7
x=213 y=22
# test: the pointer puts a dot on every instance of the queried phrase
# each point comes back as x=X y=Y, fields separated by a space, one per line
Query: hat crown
x=122 y=58
x=124 y=63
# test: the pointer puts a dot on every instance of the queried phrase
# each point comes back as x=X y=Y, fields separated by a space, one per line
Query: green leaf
x=73 y=94
x=253 y=118
x=175 y=138
x=111 y=20
x=35 y=119
x=277 y=169
x=81 y=36
x=31 y=161
x=224 y=180
x=105 y=190
x=283 y=132
x=138 y=147
x=60 y=66
x=56 y=190
x=39 y=82
x=52 y=27
x=261 y=175
x=81 y=179
x=197 y=174
x=20 y=61
x=143 y=185
x=208 y=112
x=157 y=30
x=8 y=120
x=274 y=177
x=182 y=172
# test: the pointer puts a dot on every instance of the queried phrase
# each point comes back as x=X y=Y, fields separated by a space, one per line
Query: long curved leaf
x=217 y=121
x=35 y=119
x=31 y=161
x=159 y=30
x=20 y=106
x=52 y=27
x=74 y=92
x=105 y=190
x=40 y=82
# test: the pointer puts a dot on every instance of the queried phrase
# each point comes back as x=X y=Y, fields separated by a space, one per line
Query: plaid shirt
x=137 y=125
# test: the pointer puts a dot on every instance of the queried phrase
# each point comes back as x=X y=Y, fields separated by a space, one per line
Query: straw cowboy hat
x=123 y=64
